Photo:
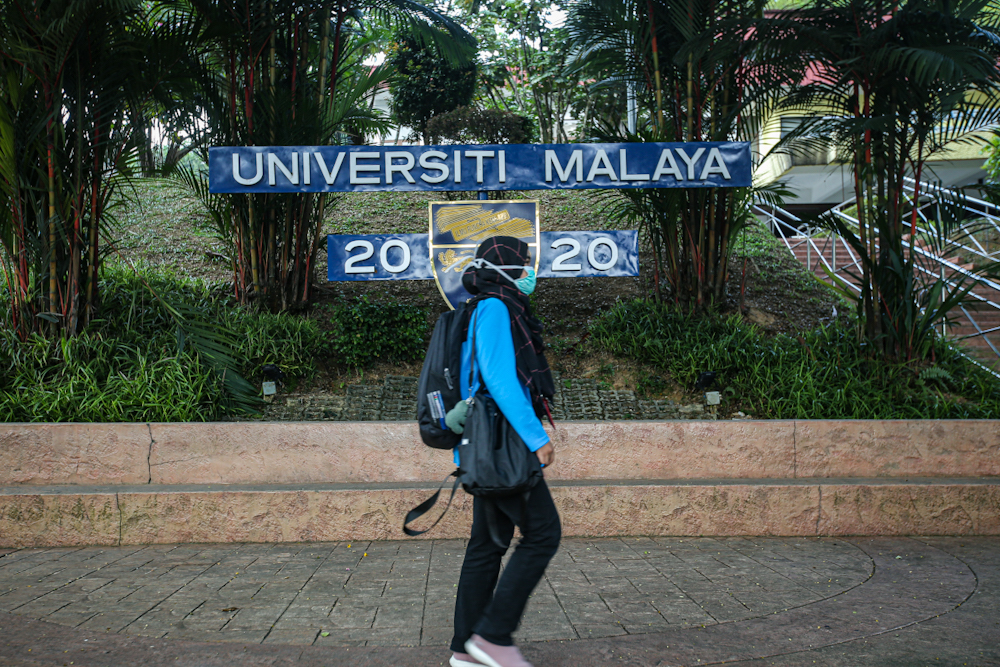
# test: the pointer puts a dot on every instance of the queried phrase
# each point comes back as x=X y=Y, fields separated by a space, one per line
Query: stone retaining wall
x=75 y=484
x=349 y=452
x=395 y=400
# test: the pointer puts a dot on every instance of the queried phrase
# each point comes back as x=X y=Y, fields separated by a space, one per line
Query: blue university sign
x=503 y=167
x=456 y=228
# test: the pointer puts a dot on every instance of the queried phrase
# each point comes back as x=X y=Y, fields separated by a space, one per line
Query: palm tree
x=70 y=72
x=896 y=84
x=694 y=68
x=291 y=73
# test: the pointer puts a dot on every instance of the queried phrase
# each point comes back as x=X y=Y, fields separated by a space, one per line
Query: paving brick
x=402 y=593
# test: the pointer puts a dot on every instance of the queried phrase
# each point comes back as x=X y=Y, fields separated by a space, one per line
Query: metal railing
x=825 y=248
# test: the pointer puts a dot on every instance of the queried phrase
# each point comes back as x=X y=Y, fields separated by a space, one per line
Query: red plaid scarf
x=485 y=283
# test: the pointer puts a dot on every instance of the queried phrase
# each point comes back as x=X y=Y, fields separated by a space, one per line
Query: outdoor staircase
x=983 y=347
x=120 y=484
x=975 y=326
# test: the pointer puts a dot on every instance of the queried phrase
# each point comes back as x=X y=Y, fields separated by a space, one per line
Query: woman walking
x=510 y=361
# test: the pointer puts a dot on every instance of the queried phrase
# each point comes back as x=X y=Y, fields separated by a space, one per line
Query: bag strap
x=472 y=360
x=425 y=506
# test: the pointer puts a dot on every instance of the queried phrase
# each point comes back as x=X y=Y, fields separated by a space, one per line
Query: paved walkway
x=631 y=601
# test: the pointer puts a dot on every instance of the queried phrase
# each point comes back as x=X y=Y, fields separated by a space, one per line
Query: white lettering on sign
x=349 y=265
x=559 y=263
x=592 y=253
x=601 y=166
x=273 y=161
x=479 y=155
x=623 y=169
x=383 y=256
x=667 y=166
x=404 y=169
x=257 y=176
x=405 y=256
x=691 y=161
x=551 y=159
x=355 y=168
x=352 y=266
x=330 y=176
x=715 y=158
x=440 y=167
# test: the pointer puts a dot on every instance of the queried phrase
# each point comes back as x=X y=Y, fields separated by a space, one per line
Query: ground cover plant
x=141 y=363
x=822 y=373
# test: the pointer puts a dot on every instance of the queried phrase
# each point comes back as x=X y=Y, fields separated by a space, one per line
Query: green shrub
x=365 y=331
x=95 y=379
x=137 y=364
x=821 y=374
x=288 y=341
x=475 y=125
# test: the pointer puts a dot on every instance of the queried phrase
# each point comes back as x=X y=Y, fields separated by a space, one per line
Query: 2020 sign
x=576 y=254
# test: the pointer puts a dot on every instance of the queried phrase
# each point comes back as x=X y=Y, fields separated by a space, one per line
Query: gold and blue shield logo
x=457 y=229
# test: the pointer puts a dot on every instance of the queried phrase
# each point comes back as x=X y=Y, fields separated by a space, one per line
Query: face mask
x=527 y=283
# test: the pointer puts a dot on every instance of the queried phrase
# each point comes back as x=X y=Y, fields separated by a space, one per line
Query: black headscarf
x=526 y=330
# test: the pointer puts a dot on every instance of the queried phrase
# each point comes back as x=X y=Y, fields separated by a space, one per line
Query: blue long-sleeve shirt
x=496 y=362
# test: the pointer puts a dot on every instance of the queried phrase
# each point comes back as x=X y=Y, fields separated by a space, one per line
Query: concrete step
x=986 y=315
x=71 y=484
x=154 y=514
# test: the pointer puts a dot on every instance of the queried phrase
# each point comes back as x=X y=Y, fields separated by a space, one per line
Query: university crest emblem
x=457 y=229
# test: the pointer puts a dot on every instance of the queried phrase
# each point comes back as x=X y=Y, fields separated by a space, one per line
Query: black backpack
x=439 y=390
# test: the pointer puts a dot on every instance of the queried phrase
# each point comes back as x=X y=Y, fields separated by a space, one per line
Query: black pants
x=484 y=607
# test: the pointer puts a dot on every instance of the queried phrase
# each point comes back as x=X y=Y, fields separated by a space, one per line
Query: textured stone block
x=74 y=453
x=280 y=453
x=165 y=515
x=35 y=520
x=281 y=516
x=687 y=510
x=861 y=448
x=910 y=509
x=376 y=514
x=275 y=453
x=673 y=450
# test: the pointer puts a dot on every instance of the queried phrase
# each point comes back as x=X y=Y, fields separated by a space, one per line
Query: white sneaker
x=465 y=660
x=493 y=655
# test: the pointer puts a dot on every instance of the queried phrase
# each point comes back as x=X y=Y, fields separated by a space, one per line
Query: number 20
x=351 y=265
x=560 y=262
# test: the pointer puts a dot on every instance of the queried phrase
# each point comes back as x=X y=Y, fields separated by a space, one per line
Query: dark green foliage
x=76 y=77
x=992 y=152
x=166 y=350
x=473 y=125
x=426 y=84
x=288 y=341
x=899 y=84
x=365 y=331
x=698 y=76
x=822 y=374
